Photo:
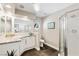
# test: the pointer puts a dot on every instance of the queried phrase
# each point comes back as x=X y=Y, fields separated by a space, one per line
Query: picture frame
x=51 y=25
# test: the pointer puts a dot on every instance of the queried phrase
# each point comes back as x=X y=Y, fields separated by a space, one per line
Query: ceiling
x=45 y=8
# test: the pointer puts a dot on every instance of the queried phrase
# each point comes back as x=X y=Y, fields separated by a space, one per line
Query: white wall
x=51 y=35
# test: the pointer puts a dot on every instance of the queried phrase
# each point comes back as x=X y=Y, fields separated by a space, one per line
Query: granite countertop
x=17 y=38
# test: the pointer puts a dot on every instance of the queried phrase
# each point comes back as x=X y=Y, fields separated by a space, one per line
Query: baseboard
x=52 y=46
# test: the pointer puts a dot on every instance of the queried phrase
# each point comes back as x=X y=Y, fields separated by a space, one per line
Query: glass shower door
x=72 y=33
x=69 y=34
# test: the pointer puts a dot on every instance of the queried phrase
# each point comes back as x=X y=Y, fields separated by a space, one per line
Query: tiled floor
x=45 y=51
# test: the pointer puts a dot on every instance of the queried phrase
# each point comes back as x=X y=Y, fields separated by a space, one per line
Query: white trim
x=52 y=46
x=38 y=49
x=26 y=49
x=59 y=54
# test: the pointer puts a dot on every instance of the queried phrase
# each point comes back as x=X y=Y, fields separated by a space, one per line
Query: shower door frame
x=64 y=38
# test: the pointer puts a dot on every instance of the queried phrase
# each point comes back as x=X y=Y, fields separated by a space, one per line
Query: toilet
x=41 y=42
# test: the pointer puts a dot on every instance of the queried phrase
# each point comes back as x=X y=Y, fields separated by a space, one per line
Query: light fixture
x=25 y=17
x=1 y=7
x=8 y=6
x=9 y=13
x=36 y=7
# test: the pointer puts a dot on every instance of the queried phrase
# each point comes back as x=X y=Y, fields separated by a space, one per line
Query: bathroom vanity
x=27 y=43
x=19 y=43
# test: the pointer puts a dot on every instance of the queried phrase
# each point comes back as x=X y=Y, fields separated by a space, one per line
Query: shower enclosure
x=69 y=33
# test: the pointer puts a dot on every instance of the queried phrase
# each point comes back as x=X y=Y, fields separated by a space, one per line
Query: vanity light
x=1 y=7
x=25 y=17
x=36 y=7
x=8 y=6
x=9 y=13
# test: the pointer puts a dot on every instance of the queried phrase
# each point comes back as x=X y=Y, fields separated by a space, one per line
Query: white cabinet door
x=30 y=42
x=9 y=47
x=22 y=45
x=33 y=41
x=27 y=43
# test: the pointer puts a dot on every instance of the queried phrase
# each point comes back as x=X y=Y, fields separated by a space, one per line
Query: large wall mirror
x=21 y=25
x=8 y=24
x=2 y=24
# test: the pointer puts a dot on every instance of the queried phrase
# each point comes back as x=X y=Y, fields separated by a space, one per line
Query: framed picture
x=51 y=25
